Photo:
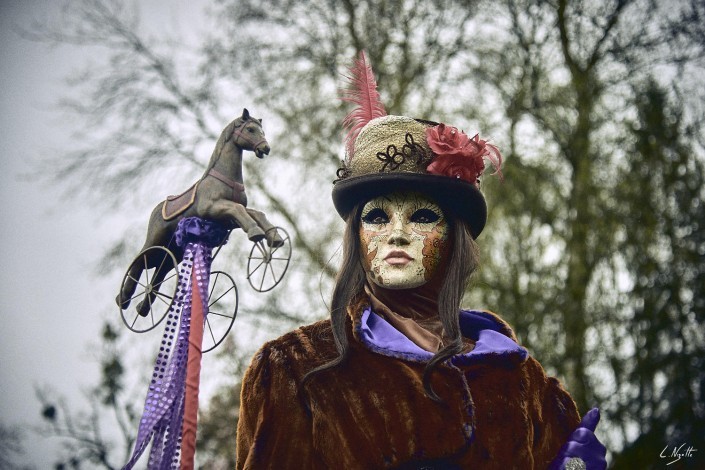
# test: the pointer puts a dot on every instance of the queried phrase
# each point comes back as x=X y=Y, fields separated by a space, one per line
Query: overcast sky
x=51 y=300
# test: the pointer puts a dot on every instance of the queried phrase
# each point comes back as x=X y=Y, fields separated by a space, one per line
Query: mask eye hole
x=424 y=216
x=376 y=217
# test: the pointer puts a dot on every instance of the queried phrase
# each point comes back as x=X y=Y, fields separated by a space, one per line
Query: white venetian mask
x=403 y=237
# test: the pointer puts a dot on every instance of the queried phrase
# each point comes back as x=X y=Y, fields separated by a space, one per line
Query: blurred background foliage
x=595 y=247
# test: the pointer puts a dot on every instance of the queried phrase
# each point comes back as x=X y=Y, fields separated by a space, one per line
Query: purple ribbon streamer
x=202 y=231
x=163 y=413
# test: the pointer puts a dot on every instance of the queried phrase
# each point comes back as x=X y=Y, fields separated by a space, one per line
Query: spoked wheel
x=266 y=265
x=148 y=289
x=222 y=309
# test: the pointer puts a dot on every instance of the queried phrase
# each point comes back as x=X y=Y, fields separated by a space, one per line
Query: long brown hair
x=350 y=284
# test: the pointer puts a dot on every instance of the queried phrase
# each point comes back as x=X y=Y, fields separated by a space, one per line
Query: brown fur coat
x=372 y=412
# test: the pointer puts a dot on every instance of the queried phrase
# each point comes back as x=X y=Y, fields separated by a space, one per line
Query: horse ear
x=245 y=114
x=260 y=121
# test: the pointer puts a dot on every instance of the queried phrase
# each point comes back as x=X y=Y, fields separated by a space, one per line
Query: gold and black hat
x=392 y=153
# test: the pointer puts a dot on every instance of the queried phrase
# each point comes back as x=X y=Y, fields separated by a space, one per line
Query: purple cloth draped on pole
x=163 y=413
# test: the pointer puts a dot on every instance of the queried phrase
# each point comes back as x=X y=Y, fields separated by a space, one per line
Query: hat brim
x=461 y=197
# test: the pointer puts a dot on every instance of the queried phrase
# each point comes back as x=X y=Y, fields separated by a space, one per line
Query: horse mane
x=224 y=137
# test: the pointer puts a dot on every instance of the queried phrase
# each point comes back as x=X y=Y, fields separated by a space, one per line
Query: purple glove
x=584 y=445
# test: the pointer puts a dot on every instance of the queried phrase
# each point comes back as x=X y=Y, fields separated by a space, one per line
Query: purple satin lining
x=383 y=338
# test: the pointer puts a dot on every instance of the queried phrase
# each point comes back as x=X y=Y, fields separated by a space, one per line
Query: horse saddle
x=176 y=205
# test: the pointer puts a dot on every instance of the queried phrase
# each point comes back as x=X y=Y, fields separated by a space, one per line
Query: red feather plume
x=362 y=91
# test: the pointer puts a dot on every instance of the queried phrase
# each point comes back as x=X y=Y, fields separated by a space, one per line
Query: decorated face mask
x=403 y=238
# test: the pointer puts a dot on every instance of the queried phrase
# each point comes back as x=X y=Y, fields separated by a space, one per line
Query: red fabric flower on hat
x=459 y=156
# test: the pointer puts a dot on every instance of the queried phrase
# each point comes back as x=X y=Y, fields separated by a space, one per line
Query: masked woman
x=400 y=376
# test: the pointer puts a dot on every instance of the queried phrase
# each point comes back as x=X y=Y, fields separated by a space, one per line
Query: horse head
x=247 y=133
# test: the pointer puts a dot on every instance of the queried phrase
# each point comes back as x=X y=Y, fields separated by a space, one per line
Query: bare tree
x=570 y=77
x=102 y=437
x=11 y=447
x=557 y=84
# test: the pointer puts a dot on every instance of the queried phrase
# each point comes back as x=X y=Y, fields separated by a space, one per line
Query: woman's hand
x=583 y=450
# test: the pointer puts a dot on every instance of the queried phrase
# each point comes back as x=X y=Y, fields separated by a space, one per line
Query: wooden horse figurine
x=219 y=195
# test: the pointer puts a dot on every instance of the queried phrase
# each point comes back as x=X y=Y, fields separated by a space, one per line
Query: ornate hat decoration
x=389 y=153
